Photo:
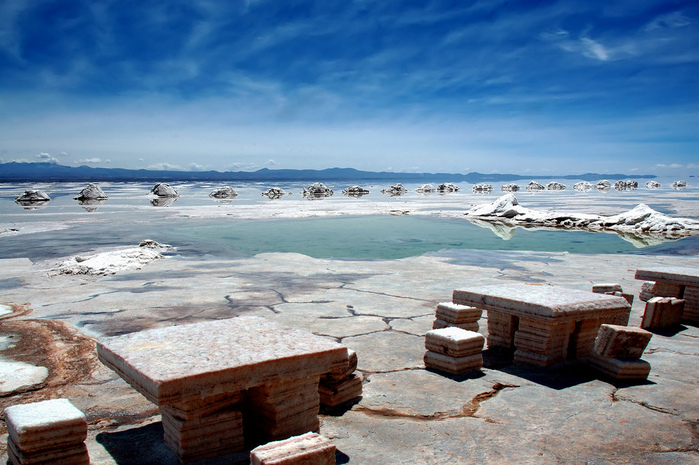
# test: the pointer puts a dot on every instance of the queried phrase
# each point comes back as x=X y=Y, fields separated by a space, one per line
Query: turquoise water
x=362 y=237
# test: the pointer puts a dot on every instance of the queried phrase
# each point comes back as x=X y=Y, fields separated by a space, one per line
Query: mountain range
x=53 y=172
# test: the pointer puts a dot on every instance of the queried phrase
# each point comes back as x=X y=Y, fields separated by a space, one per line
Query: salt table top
x=540 y=300
x=183 y=363
x=671 y=274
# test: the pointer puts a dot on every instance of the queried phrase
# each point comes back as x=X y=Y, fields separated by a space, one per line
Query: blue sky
x=438 y=86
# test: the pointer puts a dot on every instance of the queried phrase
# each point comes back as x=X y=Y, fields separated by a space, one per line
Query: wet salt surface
x=373 y=226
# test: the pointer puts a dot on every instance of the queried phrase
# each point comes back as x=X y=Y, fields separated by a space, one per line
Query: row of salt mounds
x=641 y=219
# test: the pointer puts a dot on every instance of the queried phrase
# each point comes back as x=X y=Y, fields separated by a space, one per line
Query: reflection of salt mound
x=425 y=189
x=503 y=231
x=33 y=199
x=91 y=192
x=583 y=186
x=355 y=191
x=642 y=226
x=223 y=193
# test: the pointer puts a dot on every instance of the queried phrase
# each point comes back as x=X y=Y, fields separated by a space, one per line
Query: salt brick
x=621 y=341
x=71 y=455
x=627 y=369
x=307 y=449
x=339 y=374
x=606 y=287
x=691 y=305
x=453 y=365
x=439 y=324
x=334 y=394
x=455 y=313
x=50 y=422
x=662 y=312
x=455 y=342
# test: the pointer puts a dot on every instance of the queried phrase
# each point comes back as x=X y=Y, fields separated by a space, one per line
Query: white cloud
x=271 y=163
x=593 y=49
x=196 y=167
x=238 y=166
x=63 y=154
x=89 y=160
x=47 y=157
x=669 y=20
x=164 y=166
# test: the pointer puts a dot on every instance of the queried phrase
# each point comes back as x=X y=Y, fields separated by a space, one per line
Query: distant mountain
x=51 y=172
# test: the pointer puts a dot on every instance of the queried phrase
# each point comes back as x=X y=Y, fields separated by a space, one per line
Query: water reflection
x=163 y=201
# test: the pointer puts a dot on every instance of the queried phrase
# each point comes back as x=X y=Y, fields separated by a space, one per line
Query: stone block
x=662 y=312
x=202 y=407
x=619 y=369
x=69 y=455
x=335 y=393
x=621 y=341
x=342 y=373
x=455 y=342
x=439 y=324
x=47 y=424
x=455 y=313
x=307 y=449
x=453 y=365
x=501 y=329
x=606 y=288
x=628 y=297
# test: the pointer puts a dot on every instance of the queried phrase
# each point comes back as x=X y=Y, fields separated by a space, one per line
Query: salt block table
x=208 y=378
x=546 y=324
x=679 y=282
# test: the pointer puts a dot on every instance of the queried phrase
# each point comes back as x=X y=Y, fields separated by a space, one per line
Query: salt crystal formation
x=163 y=189
x=454 y=350
x=461 y=316
x=307 y=449
x=341 y=385
x=509 y=187
x=355 y=191
x=535 y=186
x=224 y=192
x=47 y=432
x=395 y=190
x=447 y=187
x=482 y=189
x=317 y=190
x=617 y=352
x=546 y=324
x=640 y=220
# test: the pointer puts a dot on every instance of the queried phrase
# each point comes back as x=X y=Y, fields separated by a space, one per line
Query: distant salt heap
x=555 y=186
x=395 y=190
x=317 y=190
x=640 y=220
x=482 y=189
x=535 y=186
x=652 y=184
x=163 y=189
x=583 y=186
x=91 y=192
x=447 y=187
x=425 y=189
x=355 y=191
x=223 y=193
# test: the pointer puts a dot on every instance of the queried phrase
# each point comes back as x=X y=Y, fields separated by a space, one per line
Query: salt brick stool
x=461 y=316
x=51 y=431
x=307 y=449
x=454 y=350
x=618 y=350
x=341 y=385
x=662 y=312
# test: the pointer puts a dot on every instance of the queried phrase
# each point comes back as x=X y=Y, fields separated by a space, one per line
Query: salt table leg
x=501 y=329
x=285 y=407
x=542 y=344
x=691 y=305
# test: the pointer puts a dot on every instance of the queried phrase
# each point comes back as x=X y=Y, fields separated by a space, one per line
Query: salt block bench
x=201 y=374
x=679 y=282
x=50 y=431
x=617 y=353
x=453 y=350
x=307 y=449
x=546 y=324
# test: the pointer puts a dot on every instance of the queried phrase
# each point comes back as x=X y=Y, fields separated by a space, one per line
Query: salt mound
x=106 y=263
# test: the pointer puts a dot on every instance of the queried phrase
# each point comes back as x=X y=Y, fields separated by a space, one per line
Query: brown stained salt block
x=662 y=312
x=662 y=289
x=307 y=449
x=455 y=313
x=336 y=393
x=453 y=365
x=621 y=341
x=691 y=305
x=628 y=297
x=230 y=418
x=194 y=454
x=455 y=342
x=47 y=424
x=619 y=369
x=339 y=374
x=299 y=424
x=70 y=455
x=501 y=329
x=439 y=324
x=606 y=288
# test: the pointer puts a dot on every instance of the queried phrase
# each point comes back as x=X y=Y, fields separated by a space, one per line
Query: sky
x=559 y=87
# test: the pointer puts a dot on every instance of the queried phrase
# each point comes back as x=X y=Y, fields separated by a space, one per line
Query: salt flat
x=381 y=309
